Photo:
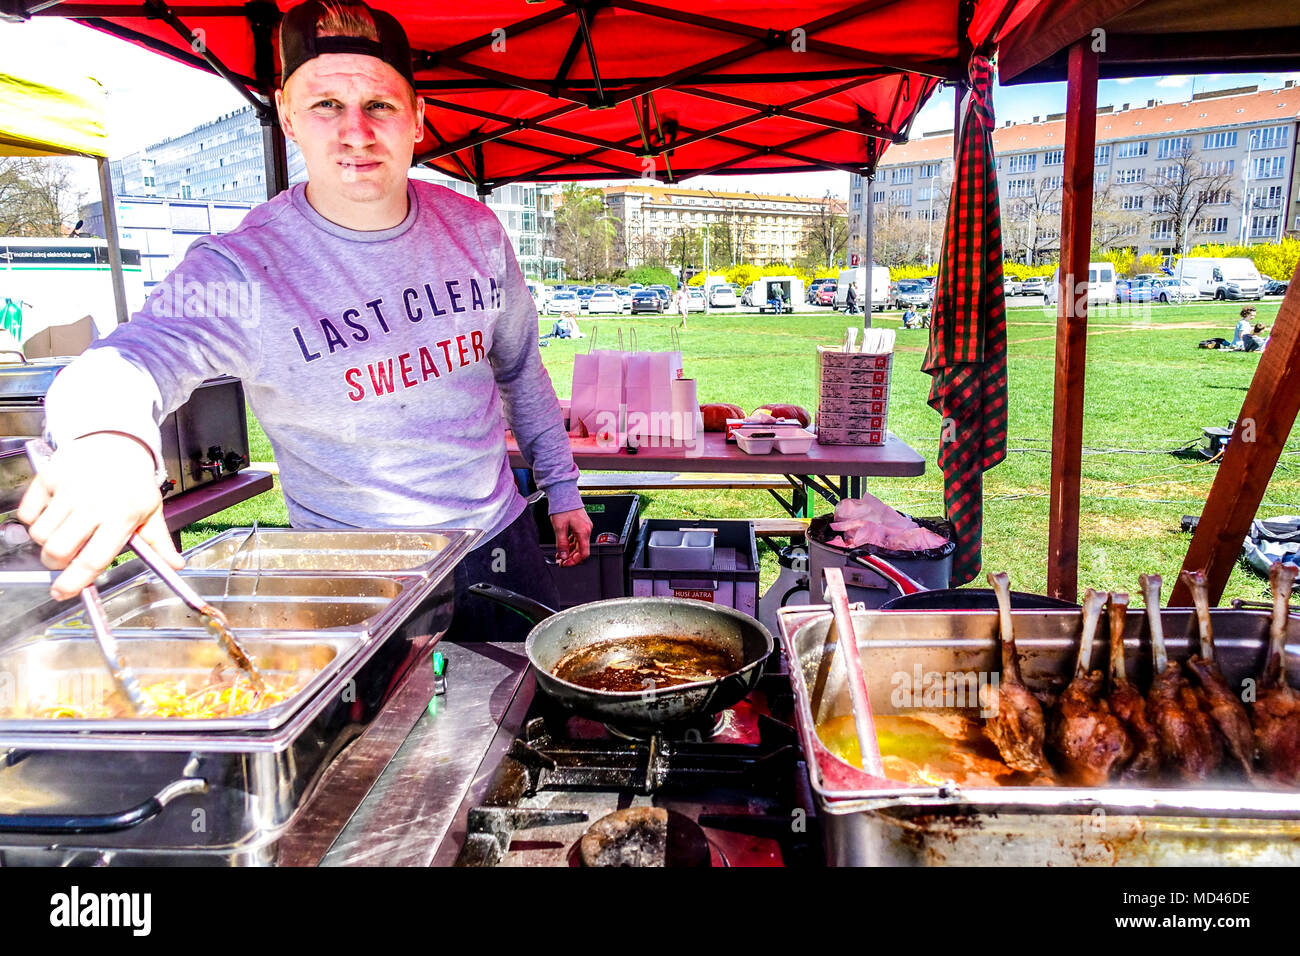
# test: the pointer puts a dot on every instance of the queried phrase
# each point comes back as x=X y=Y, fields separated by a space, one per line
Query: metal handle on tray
x=892 y=575
x=56 y=824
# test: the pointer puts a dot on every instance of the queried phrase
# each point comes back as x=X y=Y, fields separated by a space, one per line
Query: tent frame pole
x=1072 y=324
x=110 y=234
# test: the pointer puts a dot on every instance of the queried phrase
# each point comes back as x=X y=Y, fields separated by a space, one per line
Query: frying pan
x=627 y=622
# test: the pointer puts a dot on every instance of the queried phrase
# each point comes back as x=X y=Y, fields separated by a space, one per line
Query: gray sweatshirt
x=379 y=363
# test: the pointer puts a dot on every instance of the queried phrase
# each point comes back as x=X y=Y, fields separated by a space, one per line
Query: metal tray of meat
x=872 y=821
x=196 y=791
x=290 y=551
x=59 y=682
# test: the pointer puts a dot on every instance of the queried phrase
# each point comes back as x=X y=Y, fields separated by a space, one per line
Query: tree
x=827 y=235
x=1031 y=218
x=1113 y=226
x=584 y=234
x=898 y=238
x=37 y=197
x=1181 y=188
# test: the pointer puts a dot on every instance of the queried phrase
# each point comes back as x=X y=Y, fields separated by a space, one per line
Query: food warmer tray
x=353 y=609
x=870 y=821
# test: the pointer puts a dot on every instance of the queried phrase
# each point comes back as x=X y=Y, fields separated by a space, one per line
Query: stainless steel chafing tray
x=137 y=789
x=870 y=821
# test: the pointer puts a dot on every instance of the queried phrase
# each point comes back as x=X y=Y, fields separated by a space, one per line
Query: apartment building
x=218 y=166
x=761 y=228
x=1223 y=162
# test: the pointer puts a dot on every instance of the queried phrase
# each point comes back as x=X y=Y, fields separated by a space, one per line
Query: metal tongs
x=39 y=453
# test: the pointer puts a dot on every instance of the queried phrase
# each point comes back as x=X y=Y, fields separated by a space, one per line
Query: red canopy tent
x=662 y=89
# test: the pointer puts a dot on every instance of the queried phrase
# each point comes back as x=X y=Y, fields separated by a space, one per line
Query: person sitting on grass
x=1244 y=326
x=1256 y=339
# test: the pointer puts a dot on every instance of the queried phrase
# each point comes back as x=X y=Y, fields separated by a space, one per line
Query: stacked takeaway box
x=853 y=401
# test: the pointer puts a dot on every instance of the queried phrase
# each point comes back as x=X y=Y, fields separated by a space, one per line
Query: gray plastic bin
x=614 y=522
x=731 y=581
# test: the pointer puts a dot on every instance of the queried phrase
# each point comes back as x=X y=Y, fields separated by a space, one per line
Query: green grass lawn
x=1150 y=391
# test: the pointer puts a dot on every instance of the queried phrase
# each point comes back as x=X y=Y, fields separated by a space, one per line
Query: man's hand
x=87 y=501
x=572 y=537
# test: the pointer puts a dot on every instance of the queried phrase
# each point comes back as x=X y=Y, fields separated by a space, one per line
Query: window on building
x=878 y=196
x=1017 y=188
x=902 y=197
x=1162 y=229
x=185 y=192
x=1222 y=167
x=1162 y=203
x=1101 y=155
x=1174 y=147
x=1221 y=140
x=1126 y=176
x=1212 y=224
x=925 y=195
x=1129 y=150
x=1262 y=226
x=1132 y=202
x=1270 y=138
x=1100 y=177
x=1054 y=157
x=1267 y=167
x=901 y=175
x=1220 y=197
x=1024 y=163
x=931 y=170
x=1273 y=198
x=1170 y=174
x=1053 y=182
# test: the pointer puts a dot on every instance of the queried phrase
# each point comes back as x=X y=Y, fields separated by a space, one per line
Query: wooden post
x=1267 y=414
x=1072 y=323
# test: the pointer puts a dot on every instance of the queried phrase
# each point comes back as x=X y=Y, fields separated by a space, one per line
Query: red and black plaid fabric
x=967 y=356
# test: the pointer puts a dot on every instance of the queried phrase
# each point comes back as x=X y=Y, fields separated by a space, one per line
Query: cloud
x=1173 y=81
x=1125 y=81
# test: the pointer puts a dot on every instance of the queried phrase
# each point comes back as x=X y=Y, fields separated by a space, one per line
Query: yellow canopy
x=38 y=118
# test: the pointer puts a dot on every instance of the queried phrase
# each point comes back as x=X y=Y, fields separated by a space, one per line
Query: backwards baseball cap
x=299 y=42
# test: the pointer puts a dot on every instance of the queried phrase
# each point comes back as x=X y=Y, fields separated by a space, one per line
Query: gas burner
x=644 y=836
x=680 y=733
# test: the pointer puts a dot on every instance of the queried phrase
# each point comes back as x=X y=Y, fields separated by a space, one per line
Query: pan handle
x=903 y=582
x=61 y=824
x=533 y=611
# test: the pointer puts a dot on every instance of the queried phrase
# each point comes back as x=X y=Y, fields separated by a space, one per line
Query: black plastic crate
x=614 y=522
x=733 y=579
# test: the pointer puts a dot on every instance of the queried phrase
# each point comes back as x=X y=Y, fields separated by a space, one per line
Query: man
x=851 y=300
x=381 y=327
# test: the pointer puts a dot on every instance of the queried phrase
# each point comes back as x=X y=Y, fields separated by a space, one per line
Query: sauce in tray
x=927 y=748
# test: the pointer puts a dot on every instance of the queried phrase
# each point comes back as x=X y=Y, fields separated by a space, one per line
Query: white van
x=1101 y=284
x=1222 y=278
x=879 y=287
x=761 y=292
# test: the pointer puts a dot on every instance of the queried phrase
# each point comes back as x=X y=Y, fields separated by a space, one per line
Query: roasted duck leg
x=1016 y=726
x=1276 y=713
x=1224 y=704
x=1127 y=703
x=1090 y=740
x=1189 y=744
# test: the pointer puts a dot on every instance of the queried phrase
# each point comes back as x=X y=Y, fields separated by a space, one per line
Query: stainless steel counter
x=432 y=745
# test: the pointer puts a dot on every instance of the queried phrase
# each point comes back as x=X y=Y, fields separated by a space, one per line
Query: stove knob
x=167 y=487
x=234 y=461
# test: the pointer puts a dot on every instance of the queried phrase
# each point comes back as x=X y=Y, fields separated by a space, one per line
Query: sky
x=151 y=98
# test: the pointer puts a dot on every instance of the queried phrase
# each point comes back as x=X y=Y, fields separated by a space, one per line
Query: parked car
x=564 y=301
x=1100 y=285
x=604 y=302
x=747 y=297
x=1168 y=289
x=723 y=297
x=1229 y=278
x=1034 y=285
x=663 y=292
x=694 y=300
x=825 y=294
x=1274 y=286
x=584 y=294
x=1134 y=290
x=1011 y=286
x=647 y=300
x=635 y=286
x=911 y=292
